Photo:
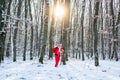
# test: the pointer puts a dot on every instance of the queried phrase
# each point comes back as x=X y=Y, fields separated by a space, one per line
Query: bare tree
x=82 y=35
x=31 y=43
x=16 y=30
x=96 y=33
x=25 y=40
x=65 y=32
x=8 y=37
x=44 y=29
x=114 y=34
x=2 y=31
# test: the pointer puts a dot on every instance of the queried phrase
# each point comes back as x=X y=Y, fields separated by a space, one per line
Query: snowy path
x=74 y=70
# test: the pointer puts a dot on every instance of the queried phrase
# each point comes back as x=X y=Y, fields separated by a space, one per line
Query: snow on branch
x=19 y=19
x=103 y=31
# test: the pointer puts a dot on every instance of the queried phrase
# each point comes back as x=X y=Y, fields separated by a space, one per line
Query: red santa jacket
x=57 y=51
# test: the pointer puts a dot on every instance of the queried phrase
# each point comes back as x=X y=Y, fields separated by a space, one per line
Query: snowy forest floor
x=73 y=70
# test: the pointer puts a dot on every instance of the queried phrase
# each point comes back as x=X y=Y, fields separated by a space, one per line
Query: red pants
x=57 y=59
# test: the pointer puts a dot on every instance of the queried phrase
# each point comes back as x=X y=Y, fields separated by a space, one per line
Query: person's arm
x=62 y=50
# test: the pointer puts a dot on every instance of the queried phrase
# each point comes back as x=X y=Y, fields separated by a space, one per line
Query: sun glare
x=59 y=11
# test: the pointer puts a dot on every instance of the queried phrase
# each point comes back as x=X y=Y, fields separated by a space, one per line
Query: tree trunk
x=50 y=43
x=8 y=44
x=91 y=19
x=44 y=24
x=16 y=29
x=31 y=42
x=2 y=31
x=64 y=32
x=101 y=34
x=25 y=40
x=96 y=33
x=114 y=34
x=117 y=29
x=82 y=25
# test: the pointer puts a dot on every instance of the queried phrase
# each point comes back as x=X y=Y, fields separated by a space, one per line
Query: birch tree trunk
x=31 y=42
x=101 y=28
x=16 y=30
x=2 y=32
x=9 y=36
x=44 y=25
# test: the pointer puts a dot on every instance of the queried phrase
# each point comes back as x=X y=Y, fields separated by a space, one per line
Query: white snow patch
x=73 y=70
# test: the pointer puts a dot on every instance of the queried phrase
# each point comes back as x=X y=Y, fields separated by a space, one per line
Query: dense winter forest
x=87 y=29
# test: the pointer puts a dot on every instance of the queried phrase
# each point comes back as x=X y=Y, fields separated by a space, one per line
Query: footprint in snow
x=22 y=78
x=104 y=71
x=39 y=66
x=60 y=77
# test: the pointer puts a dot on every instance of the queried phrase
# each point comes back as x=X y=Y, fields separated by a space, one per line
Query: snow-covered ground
x=74 y=70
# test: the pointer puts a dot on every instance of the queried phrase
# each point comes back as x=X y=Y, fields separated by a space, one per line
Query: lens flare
x=59 y=11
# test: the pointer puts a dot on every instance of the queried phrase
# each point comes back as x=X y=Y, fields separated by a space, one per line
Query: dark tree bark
x=96 y=33
x=31 y=42
x=82 y=33
x=25 y=40
x=114 y=34
x=50 y=43
x=40 y=53
x=2 y=31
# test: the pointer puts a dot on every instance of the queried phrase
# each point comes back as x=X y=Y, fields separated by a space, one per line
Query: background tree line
x=89 y=30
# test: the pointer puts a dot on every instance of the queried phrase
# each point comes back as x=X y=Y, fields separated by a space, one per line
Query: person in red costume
x=58 y=50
